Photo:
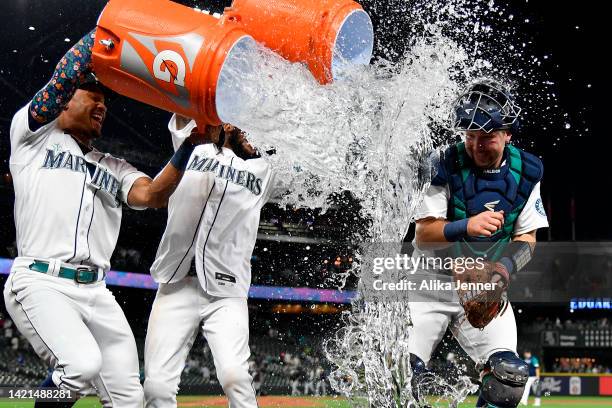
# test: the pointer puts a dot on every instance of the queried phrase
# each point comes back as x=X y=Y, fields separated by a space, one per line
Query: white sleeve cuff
x=126 y=186
x=179 y=135
x=541 y=223
x=434 y=204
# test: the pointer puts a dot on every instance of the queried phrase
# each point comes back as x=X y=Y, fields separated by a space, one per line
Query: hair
x=97 y=87
x=238 y=149
x=221 y=141
x=92 y=87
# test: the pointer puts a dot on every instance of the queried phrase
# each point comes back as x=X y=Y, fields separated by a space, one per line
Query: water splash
x=371 y=134
x=366 y=134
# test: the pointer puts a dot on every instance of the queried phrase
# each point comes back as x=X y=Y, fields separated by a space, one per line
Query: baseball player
x=68 y=205
x=534 y=378
x=484 y=191
x=213 y=217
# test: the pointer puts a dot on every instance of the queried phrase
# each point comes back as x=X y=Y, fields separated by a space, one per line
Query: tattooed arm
x=72 y=69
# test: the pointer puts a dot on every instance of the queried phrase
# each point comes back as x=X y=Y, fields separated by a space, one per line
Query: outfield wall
x=565 y=384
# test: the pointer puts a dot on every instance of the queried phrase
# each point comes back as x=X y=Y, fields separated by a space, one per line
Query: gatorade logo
x=165 y=63
x=169 y=66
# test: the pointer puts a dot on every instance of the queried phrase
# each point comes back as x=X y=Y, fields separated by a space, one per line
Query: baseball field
x=321 y=402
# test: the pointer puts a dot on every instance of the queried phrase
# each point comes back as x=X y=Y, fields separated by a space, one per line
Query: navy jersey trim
x=76 y=228
x=93 y=211
x=212 y=225
x=195 y=234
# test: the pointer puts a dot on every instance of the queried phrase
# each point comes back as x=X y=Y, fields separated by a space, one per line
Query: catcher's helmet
x=486 y=106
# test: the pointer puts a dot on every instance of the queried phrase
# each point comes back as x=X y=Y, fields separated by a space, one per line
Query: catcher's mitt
x=482 y=305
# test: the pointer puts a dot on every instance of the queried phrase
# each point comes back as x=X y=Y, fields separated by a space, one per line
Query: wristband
x=456 y=230
x=518 y=254
x=181 y=156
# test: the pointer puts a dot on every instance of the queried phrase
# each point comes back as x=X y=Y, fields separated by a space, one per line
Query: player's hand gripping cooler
x=482 y=292
x=172 y=57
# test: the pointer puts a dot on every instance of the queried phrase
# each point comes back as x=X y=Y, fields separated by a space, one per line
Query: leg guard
x=504 y=380
x=419 y=374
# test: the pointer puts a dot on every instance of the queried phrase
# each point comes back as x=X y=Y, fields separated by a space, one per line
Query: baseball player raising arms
x=485 y=193
x=68 y=202
x=213 y=216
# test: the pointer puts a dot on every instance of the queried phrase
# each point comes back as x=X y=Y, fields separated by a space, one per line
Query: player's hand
x=485 y=224
x=209 y=135
x=182 y=121
x=196 y=137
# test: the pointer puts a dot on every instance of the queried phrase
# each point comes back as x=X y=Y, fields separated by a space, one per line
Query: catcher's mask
x=486 y=106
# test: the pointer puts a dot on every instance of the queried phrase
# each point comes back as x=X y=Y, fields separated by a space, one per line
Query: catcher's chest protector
x=473 y=191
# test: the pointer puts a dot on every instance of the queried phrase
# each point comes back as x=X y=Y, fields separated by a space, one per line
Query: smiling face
x=486 y=149
x=84 y=114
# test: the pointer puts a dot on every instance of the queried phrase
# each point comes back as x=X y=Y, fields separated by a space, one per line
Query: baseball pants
x=530 y=382
x=179 y=310
x=431 y=319
x=81 y=331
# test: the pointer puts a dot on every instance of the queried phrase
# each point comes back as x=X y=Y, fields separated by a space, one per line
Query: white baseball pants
x=178 y=311
x=528 y=386
x=431 y=319
x=81 y=331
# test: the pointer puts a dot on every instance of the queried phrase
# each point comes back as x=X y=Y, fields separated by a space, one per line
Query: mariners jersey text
x=239 y=177
x=101 y=179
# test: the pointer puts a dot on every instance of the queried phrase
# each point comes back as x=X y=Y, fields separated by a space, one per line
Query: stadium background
x=305 y=249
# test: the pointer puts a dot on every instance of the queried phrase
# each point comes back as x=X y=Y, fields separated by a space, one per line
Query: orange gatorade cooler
x=166 y=55
x=327 y=35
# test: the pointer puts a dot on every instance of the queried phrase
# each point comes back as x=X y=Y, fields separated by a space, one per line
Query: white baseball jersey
x=214 y=215
x=431 y=318
x=532 y=216
x=67 y=204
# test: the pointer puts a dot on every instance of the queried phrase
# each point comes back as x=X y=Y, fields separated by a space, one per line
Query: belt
x=82 y=274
